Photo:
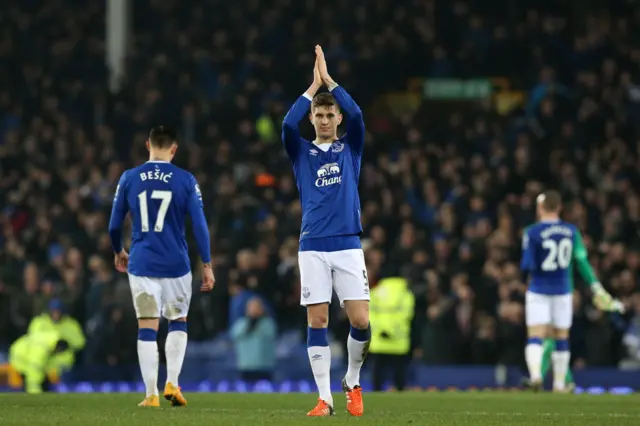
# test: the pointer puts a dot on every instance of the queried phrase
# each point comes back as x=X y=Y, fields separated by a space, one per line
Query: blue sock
x=317 y=337
x=534 y=341
x=562 y=345
x=177 y=326
x=147 y=335
x=361 y=335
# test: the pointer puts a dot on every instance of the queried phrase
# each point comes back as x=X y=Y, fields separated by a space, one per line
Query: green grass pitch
x=412 y=408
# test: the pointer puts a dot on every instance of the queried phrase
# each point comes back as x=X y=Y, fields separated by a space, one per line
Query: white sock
x=356 y=354
x=174 y=348
x=533 y=356
x=560 y=362
x=148 y=359
x=320 y=358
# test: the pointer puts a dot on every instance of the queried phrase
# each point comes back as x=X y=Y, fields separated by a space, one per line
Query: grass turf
x=414 y=408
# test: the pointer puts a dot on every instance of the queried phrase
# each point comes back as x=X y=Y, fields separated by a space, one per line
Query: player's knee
x=148 y=323
x=318 y=321
x=539 y=332
x=358 y=313
x=360 y=321
x=146 y=305
x=318 y=316
x=561 y=334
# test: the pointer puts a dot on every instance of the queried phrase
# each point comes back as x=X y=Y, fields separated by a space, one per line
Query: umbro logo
x=313 y=152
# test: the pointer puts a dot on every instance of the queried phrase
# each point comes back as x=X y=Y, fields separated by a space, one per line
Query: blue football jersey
x=159 y=195
x=327 y=181
x=548 y=251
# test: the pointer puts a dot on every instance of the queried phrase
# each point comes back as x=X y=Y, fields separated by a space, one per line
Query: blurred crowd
x=445 y=191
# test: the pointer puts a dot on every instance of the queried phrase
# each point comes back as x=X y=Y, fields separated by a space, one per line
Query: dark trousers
x=47 y=386
x=255 y=376
x=384 y=364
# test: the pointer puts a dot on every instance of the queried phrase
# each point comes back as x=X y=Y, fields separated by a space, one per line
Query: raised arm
x=290 y=131
x=355 y=122
x=118 y=213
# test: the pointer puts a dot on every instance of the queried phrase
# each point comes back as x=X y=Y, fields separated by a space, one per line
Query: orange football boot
x=150 y=401
x=174 y=395
x=322 y=409
x=355 y=407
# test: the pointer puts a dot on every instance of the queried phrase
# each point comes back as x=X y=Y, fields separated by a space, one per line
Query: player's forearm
x=330 y=83
x=346 y=102
x=297 y=112
x=116 y=238
x=586 y=271
x=311 y=91
x=203 y=242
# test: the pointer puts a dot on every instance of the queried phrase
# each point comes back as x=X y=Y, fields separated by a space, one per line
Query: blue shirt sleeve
x=355 y=121
x=199 y=221
x=118 y=213
x=527 y=263
x=290 y=130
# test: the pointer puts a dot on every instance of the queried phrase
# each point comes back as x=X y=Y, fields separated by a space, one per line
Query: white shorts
x=553 y=310
x=169 y=297
x=321 y=272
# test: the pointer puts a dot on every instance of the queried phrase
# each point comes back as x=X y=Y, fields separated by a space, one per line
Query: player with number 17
x=158 y=196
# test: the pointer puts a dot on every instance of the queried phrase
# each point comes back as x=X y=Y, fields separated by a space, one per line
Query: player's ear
x=174 y=148
x=148 y=145
x=339 y=119
x=311 y=116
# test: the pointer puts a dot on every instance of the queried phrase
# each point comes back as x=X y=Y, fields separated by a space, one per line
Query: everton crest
x=337 y=147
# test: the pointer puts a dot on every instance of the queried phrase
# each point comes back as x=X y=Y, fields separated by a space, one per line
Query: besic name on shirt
x=156 y=175
x=563 y=230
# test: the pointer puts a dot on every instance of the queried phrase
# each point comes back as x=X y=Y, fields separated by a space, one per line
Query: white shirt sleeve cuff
x=334 y=87
x=306 y=95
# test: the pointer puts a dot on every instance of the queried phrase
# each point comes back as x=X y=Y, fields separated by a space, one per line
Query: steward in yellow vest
x=55 y=320
x=391 y=312
x=31 y=356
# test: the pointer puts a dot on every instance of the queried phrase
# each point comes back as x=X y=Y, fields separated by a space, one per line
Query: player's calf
x=533 y=355
x=148 y=357
x=357 y=348
x=175 y=349
x=561 y=358
x=319 y=352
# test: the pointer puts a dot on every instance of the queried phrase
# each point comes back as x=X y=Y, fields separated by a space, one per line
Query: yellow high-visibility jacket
x=30 y=355
x=69 y=329
x=391 y=312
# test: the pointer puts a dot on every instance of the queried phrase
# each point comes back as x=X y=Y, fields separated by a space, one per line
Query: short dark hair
x=324 y=99
x=162 y=137
x=551 y=201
